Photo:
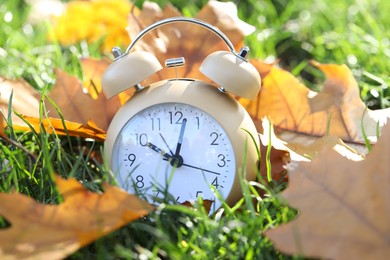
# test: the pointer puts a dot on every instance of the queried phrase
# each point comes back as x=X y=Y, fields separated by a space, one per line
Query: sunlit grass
x=355 y=33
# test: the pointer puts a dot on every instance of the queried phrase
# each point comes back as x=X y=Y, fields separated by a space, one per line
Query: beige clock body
x=228 y=113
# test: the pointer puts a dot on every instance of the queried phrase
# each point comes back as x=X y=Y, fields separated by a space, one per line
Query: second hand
x=166 y=144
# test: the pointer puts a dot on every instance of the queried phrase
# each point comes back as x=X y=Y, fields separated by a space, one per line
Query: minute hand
x=181 y=134
x=201 y=169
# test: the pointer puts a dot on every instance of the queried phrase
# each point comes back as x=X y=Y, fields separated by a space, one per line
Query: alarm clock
x=182 y=137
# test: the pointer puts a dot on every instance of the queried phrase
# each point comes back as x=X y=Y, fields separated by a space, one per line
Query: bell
x=128 y=70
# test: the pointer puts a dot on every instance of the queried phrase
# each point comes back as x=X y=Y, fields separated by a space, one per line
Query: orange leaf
x=292 y=106
x=343 y=206
x=41 y=231
x=51 y=125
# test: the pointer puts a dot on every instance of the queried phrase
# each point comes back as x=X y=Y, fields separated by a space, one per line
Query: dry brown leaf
x=287 y=147
x=24 y=100
x=309 y=146
x=344 y=206
x=41 y=231
x=77 y=106
x=187 y=40
x=304 y=147
x=55 y=125
x=293 y=107
x=341 y=92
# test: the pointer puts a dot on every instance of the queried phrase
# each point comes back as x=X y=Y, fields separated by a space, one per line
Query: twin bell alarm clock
x=182 y=137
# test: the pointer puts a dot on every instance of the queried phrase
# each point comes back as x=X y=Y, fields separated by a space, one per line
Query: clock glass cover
x=176 y=148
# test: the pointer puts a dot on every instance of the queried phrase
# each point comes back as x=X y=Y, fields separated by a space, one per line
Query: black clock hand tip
x=158 y=150
x=181 y=134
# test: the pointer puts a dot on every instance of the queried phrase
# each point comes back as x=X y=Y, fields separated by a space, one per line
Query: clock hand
x=198 y=168
x=180 y=141
x=175 y=161
x=166 y=144
x=159 y=151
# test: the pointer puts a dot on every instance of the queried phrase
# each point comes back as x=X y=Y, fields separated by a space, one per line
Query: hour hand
x=158 y=150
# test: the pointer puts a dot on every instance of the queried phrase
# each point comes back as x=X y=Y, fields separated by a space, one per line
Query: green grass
x=353 y=32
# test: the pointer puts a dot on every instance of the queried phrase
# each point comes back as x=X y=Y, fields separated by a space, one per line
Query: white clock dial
x=177 y=146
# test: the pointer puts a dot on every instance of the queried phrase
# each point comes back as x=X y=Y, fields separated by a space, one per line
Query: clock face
x=177 y=148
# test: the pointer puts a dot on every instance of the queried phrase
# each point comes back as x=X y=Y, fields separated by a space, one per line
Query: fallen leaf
x=262 y=67
x=341 y=91
x=93 y=70
x=92 y=21
x=343 y=205
x=336 y=110
x=305 y=147
x=55 y=125
x=77 y=106
x=298 y=148
x=310 y=146
x=24 y=99
x=41 y=231
x=187 y=40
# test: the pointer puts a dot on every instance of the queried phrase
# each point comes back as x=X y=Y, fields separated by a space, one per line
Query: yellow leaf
x=92 y=21
x=41 y=231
